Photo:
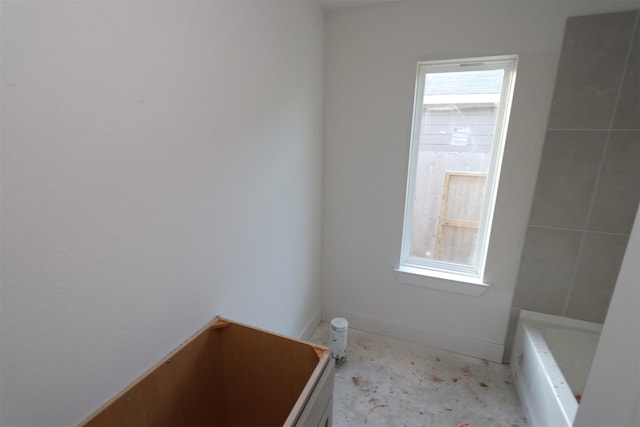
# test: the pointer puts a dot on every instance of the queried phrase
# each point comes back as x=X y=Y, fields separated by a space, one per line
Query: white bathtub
x=550 y=361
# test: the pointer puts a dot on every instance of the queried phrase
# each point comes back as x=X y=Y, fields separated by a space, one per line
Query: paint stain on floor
x=389 y=382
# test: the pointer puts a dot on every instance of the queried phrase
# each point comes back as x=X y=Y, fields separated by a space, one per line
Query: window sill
x=440 y=281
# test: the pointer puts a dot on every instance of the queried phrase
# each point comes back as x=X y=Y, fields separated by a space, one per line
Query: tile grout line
x=584 y=230
x=588 y=129
x=601 y=166
x=624 y=73
x=552 y=227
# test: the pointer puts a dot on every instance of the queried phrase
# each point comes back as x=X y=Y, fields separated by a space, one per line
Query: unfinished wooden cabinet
x=229 y=374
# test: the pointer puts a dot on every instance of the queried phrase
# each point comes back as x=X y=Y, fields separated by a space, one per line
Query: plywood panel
x=265 y=375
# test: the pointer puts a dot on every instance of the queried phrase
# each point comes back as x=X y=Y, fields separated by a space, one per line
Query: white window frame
x=410 y=267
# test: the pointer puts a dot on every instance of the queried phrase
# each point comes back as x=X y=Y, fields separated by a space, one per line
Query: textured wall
x=161 y=165
x=588 y=184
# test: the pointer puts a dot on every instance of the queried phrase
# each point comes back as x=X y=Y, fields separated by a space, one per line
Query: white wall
x=161 y=165
x=371 y=59
x=612 y=391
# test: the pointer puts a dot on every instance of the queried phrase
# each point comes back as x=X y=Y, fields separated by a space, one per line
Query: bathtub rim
x=554 y=320
x=530 y=328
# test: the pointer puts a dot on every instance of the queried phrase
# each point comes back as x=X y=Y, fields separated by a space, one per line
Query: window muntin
x=460 y=121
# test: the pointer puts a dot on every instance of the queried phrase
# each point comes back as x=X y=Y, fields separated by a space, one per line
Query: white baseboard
x=311 y=326
x=430 y=337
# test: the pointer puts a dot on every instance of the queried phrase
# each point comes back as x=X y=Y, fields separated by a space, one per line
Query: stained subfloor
x=389 y=382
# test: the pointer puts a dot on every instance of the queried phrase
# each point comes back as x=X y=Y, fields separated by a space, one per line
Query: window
x=460 y=121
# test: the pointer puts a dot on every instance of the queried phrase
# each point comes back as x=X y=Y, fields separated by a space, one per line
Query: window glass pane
x=457 y=127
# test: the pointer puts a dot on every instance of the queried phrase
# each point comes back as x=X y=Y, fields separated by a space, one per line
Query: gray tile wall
x=588 y=186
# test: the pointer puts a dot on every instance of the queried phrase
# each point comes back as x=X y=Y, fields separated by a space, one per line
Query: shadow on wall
x=588 y=186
